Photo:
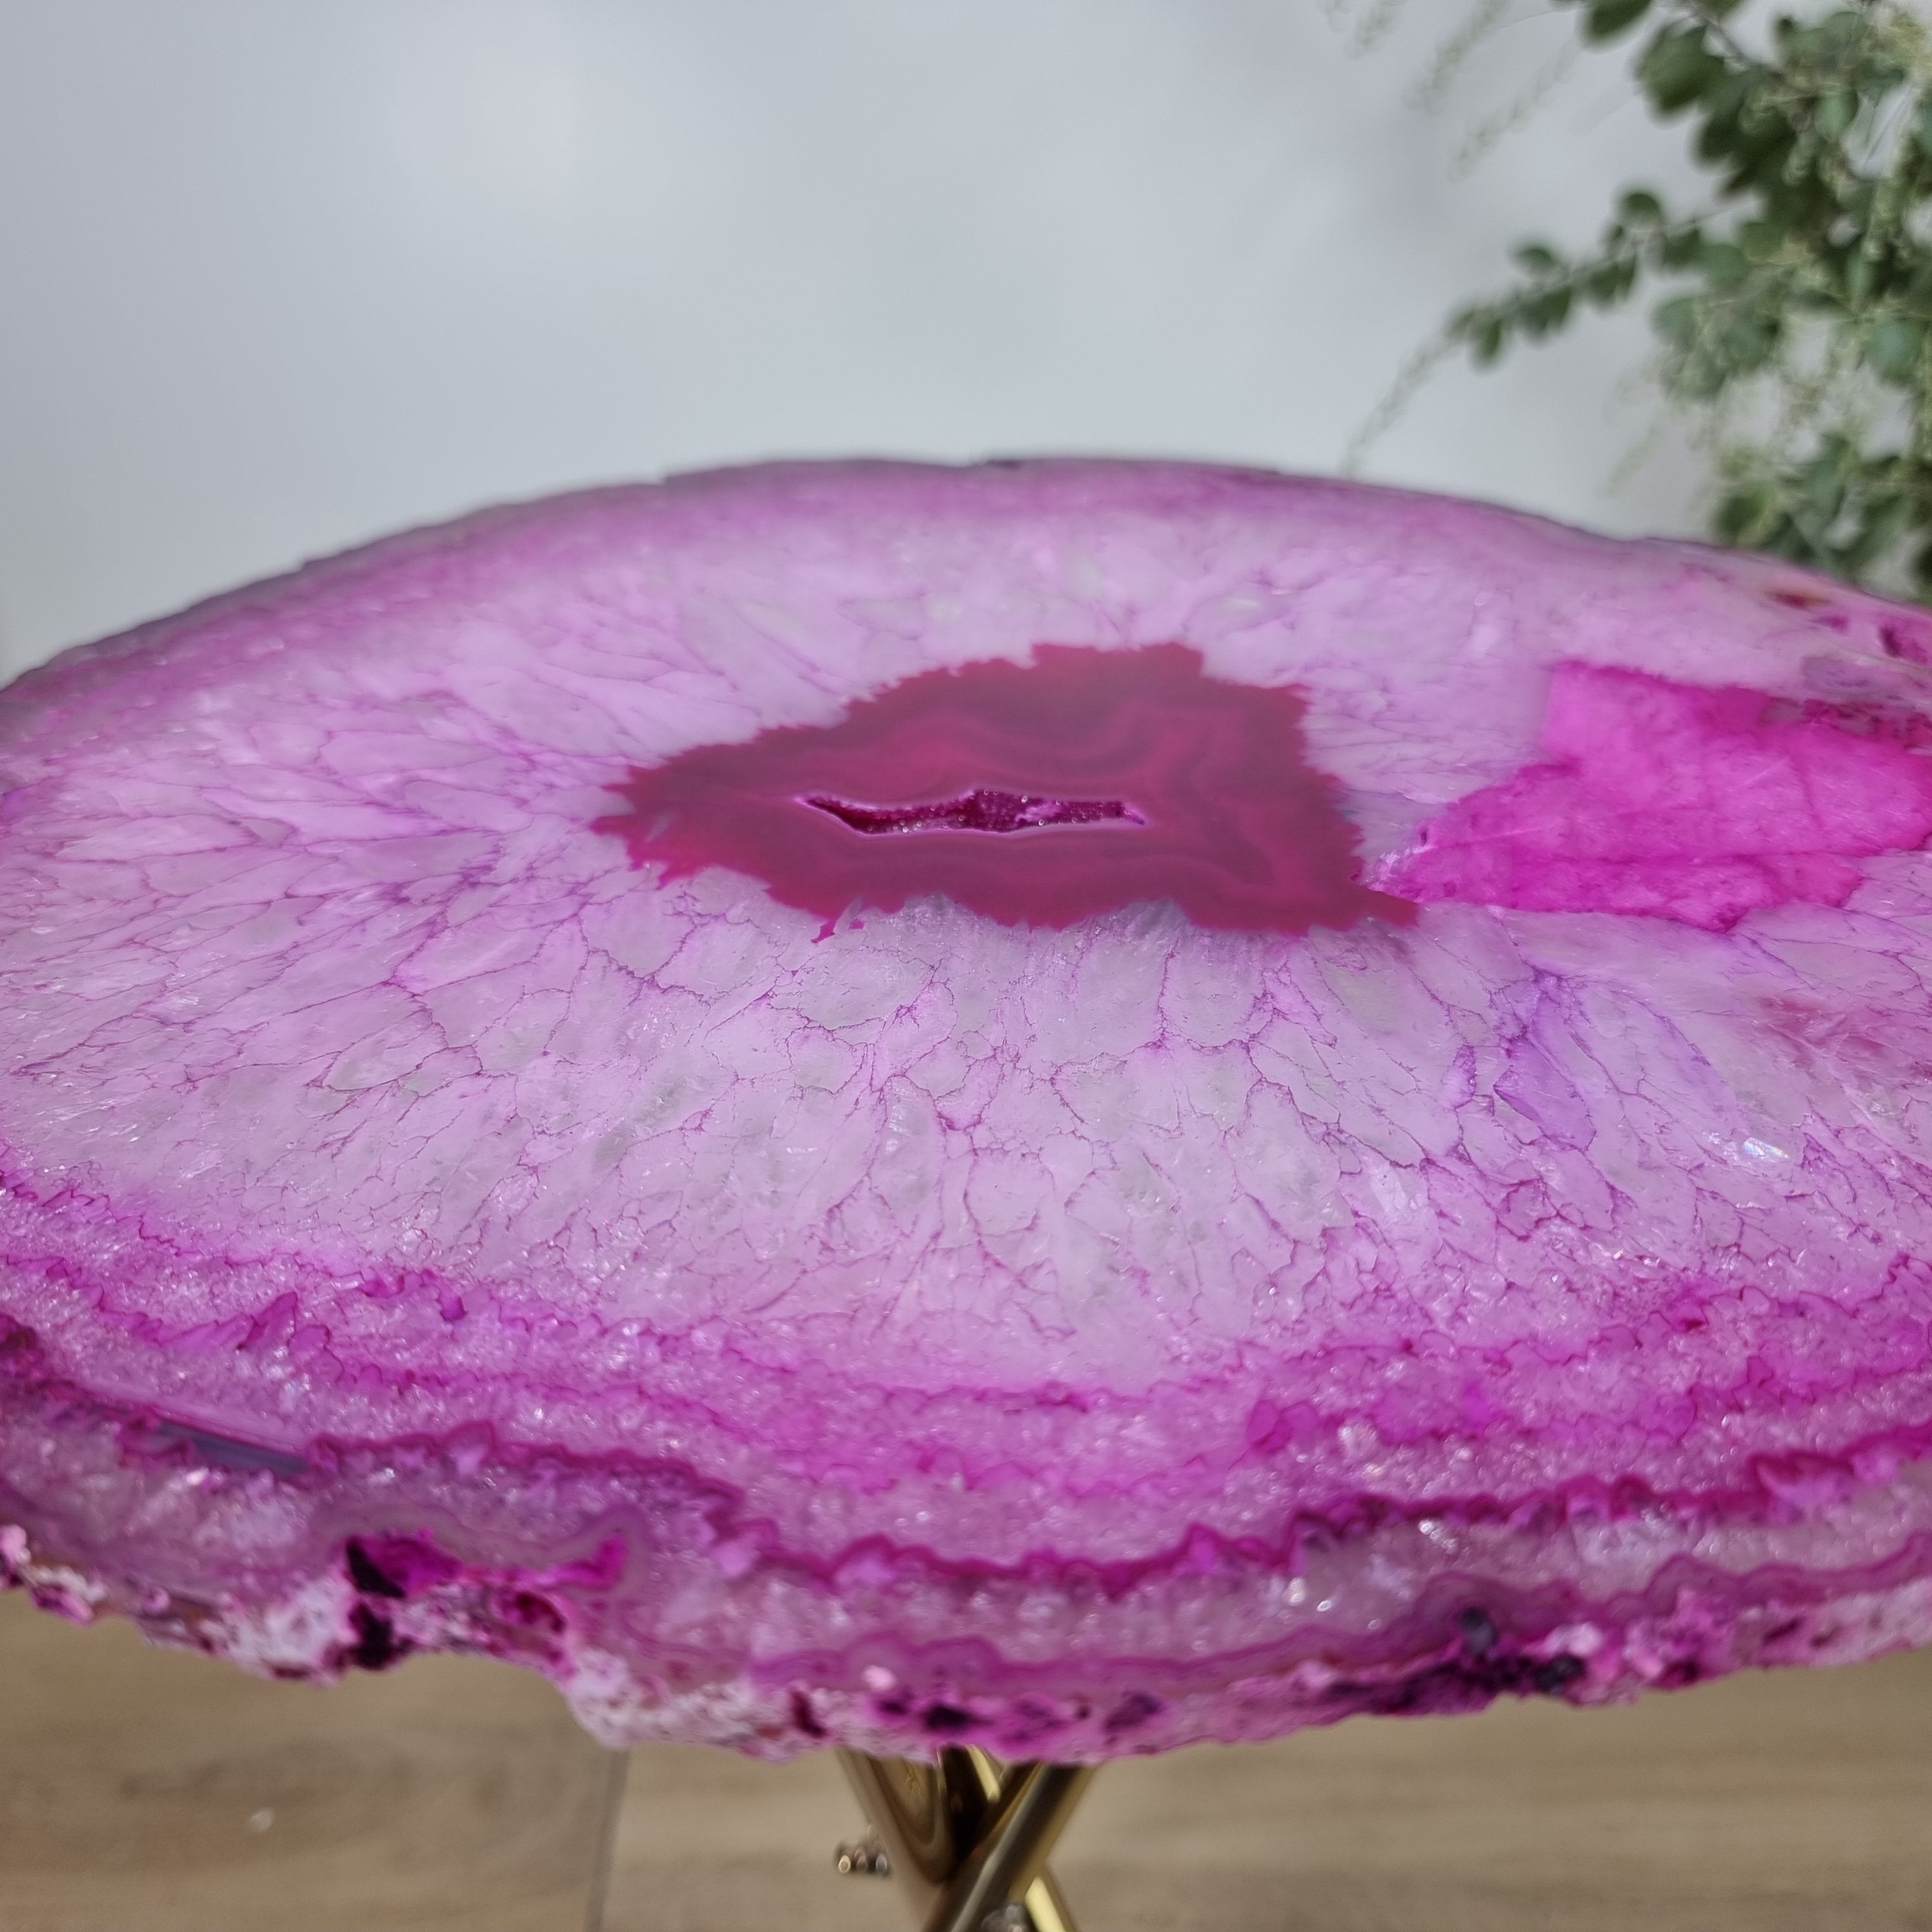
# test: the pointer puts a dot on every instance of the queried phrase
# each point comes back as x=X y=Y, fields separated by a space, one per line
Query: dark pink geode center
x=1036 y=794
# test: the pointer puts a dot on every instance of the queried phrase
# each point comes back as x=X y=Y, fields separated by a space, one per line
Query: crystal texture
x=1073 y=1106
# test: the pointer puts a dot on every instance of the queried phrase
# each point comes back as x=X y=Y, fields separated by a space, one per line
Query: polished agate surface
x=1069 y=1105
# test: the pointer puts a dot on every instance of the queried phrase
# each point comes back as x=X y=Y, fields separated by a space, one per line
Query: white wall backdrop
x=276 y=275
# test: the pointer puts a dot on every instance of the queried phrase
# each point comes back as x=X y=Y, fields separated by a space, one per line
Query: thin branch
x=1422 y=363
x=1487 y=133
x=1449 y=58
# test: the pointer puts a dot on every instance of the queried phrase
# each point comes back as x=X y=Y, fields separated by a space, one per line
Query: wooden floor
x=142 y=1791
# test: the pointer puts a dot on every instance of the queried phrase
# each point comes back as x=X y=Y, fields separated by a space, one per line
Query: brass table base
x=967 y=1838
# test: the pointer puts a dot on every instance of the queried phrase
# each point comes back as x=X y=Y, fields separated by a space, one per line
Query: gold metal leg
x=968 y=1837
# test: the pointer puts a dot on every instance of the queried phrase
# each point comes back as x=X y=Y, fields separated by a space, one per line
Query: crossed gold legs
x=967 y=1838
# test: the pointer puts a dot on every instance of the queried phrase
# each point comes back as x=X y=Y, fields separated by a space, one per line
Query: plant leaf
x=1897 y=349
x=1607 y=18
x=1678 y=67
x=1676 y=320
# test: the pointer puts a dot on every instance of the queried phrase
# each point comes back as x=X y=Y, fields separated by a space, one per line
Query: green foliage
x=1795 y=312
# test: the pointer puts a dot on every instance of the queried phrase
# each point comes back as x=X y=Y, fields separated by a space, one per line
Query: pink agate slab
x=1076 y=1106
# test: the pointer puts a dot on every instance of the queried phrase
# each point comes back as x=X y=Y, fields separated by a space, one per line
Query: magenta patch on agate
x=1038 y=795
x=1678 y=801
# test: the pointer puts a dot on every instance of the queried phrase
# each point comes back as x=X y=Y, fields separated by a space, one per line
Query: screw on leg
x=863 y=1858
x=1011 y=1917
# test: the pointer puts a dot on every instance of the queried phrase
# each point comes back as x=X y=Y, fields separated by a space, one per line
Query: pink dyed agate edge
x=433 y=1218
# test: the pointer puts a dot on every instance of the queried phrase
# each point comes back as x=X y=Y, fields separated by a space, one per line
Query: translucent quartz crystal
x=1073 y=1105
